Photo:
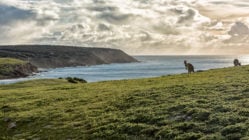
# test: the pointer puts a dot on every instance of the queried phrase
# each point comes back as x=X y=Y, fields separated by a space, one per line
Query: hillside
x=14 y=68
x=47 y=56
x=207 y=105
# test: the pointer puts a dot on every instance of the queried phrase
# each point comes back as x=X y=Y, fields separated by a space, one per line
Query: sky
x=138 y=27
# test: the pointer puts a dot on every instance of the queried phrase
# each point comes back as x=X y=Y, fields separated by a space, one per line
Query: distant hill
x=48 y=56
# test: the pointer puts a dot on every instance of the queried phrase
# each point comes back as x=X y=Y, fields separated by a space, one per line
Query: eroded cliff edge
x=13 y=68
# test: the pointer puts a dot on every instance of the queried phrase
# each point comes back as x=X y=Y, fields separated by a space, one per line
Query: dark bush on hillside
x=79 y=80
x=75 y=80
x=236 y=130
x=71 y=80
x=189 y=136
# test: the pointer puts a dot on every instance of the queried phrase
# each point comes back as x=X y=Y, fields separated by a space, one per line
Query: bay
x=149 y=66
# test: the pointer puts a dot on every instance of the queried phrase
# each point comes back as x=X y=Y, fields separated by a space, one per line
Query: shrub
x=199 y=114
x=79 y=80
x=150 y=131
x=132 y=128
x=234 y=131
x=71 y=80
x=75 y=80
x=167 y=133
x=216 y=136
x=186 y=126
x=234 y=136
x=189 y=136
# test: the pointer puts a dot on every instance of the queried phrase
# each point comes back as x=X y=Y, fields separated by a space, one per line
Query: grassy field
x=207 y=105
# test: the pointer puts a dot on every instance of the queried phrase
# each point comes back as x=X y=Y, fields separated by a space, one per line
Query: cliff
x=13 y=68
x=47 y=56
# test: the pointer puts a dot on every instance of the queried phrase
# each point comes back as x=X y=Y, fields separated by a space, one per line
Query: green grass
x=11 y=61
x=208 y=105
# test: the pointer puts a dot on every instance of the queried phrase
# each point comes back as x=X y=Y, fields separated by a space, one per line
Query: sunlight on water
x=150 y=66
x=244 y=59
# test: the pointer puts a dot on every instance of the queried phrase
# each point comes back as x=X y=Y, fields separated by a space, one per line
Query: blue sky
x=135 y=26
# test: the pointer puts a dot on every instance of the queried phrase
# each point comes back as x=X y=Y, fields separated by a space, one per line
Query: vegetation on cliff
x=14 y=68
x=207 y=105
x=48 y=56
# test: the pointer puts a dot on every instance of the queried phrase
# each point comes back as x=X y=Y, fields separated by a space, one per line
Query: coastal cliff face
x=45 y=56
x=12 y=68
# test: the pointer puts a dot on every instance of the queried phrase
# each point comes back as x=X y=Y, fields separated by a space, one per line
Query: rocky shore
x=12 y=68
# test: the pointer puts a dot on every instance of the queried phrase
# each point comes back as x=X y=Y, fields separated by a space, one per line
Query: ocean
x=149 y=66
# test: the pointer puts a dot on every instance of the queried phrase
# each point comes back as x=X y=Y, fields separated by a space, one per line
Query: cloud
x=188 y=15
x=10 y=14
x=239 y=34
x=239 y=29
x=217 y=26
x=114 y=17
x=102 y=8
x=103 y=27
x=135 y=26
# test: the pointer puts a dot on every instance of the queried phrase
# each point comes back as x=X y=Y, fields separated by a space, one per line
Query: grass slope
x=208 y=105
x=10 y=61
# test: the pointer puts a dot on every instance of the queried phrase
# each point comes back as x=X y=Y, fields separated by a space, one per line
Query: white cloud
x=136 y=26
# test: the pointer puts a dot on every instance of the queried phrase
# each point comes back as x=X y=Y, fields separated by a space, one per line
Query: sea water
x=149 y=66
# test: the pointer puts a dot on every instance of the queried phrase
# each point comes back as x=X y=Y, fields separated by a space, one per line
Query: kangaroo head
x=185 y=62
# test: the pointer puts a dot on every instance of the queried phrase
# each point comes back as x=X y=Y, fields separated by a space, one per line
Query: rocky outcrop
x=17 y=70
x=46 y=56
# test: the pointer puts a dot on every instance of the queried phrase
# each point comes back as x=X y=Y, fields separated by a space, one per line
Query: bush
x=71 y=80
x=75 y=80
x=216 y=136
x=79 y=80
x=189 y=136
x=237 y=129
x=167 y=133
x=186 y=126
x=199 y=114
x=234 y=136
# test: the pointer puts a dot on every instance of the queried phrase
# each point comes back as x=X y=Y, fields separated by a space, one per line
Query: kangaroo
x=236 y=62
x=189 y=67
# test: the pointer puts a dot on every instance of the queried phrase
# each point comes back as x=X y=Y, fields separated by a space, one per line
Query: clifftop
x=13 y=68
x=48 y=56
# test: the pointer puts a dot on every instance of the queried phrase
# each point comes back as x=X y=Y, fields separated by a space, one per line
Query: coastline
x=149 y=66
x=40 y=71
